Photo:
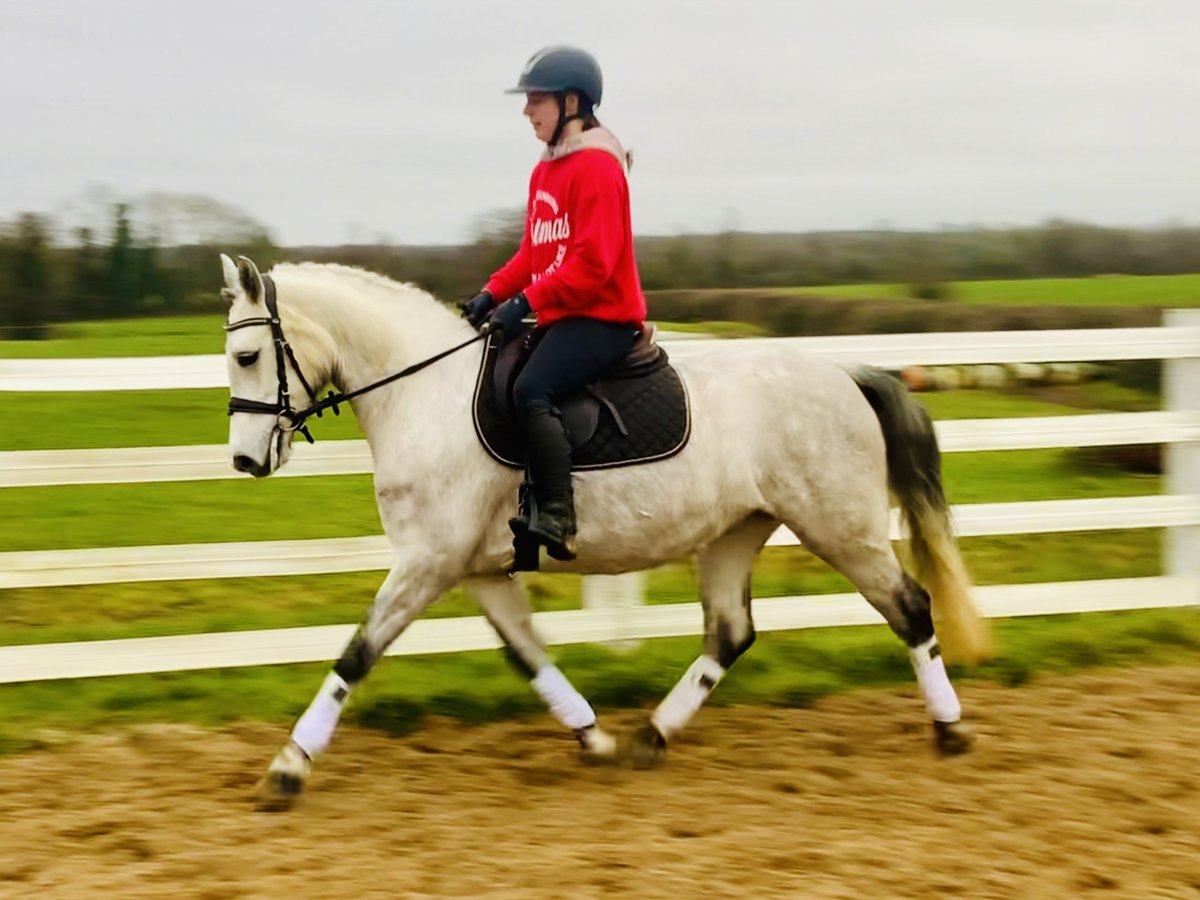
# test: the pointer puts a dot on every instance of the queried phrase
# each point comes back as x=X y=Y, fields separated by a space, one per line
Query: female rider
x=575 y=269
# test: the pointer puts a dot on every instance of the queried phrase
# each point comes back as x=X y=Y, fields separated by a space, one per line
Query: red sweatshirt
x=576 y=255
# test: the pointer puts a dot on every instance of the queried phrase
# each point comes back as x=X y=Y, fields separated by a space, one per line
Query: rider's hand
x=506 y=317
x=477 y=308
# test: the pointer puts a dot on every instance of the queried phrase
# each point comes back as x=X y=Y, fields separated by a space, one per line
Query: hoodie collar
x=592 y=139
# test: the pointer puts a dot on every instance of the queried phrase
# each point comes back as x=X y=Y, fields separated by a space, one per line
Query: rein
x=282 y=407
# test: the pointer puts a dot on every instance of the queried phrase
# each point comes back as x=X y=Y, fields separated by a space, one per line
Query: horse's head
x=265 y=383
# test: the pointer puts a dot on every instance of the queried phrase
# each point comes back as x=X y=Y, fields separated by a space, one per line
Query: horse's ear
x=231 y=278
x=250 y=279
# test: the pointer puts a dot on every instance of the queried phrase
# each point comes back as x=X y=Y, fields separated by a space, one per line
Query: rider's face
x=542 y=111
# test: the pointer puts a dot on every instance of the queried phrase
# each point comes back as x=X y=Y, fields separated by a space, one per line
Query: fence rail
x=888 y=350
x=276 y=646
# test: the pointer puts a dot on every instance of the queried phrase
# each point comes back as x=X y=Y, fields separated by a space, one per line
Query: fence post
x=1181 y=461
x=616 y=593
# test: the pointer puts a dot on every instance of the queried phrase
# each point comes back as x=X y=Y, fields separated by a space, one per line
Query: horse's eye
x=245 y=360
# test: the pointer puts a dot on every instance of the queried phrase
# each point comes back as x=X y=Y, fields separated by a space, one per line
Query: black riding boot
x=553 y=520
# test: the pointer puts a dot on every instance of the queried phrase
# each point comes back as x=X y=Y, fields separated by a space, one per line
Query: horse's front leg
x=506 y=607
x=408 y=589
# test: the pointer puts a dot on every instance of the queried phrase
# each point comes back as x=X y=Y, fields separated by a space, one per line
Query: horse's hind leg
x=725 y=567
x=862 y=552
x=506 y=607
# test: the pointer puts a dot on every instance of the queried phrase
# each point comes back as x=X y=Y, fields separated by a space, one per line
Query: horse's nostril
x=243 y=463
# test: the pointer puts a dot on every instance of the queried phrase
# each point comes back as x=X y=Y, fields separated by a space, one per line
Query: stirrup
x=526 y=547
x=526 y=553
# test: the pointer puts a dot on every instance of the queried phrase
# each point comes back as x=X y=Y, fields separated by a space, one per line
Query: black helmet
x=559 y=69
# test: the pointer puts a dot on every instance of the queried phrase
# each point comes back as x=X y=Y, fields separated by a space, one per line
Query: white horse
x=777 y=437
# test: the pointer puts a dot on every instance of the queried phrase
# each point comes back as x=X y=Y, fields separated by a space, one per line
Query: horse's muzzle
x=244 y=463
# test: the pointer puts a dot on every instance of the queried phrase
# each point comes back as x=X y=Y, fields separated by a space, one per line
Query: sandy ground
x=1079 y=787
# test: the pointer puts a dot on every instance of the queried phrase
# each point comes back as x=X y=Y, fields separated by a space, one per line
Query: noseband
x=282 y=407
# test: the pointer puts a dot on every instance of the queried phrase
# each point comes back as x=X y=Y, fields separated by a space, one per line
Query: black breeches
x=569 y=354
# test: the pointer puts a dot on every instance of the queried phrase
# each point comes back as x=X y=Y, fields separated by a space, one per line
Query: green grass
x=74 y=420
x=244 y=509
x=792 y=669
x=165 y=336
x=129 y=515
x=103 y=612
x=721 y=329
x=1111 y=290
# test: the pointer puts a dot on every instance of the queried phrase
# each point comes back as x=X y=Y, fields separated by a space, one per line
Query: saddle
x=635 y=412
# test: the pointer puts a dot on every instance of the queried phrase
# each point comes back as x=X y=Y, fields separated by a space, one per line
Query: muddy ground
x=1078 y=787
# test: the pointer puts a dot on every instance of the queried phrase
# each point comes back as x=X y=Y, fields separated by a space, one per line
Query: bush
x=787 y=314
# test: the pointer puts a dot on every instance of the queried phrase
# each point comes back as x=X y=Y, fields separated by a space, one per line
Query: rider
x=575 y=269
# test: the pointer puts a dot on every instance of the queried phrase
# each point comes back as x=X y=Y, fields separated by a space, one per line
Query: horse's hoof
x=284 y=782
x=953 y=738
x=648 y=749
x=597 y=746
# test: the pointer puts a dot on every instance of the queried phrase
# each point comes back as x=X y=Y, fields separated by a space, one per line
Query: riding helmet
x=557 y=69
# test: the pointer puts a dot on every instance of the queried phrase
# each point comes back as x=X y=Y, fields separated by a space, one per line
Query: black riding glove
x=506 y=317
x=477 y=308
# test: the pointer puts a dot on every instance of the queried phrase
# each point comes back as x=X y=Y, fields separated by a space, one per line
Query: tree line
x=118 y=271
x=130 y=269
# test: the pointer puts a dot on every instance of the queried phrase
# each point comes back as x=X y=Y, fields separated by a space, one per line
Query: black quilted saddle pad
x=627 y=417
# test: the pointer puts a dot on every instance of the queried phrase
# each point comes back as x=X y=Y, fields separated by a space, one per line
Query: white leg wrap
x=687 y=696
x=314 y=731
x=940 y=699
x=565 y=703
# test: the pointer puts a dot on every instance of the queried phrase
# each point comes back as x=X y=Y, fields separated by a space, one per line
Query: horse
x=777 y=437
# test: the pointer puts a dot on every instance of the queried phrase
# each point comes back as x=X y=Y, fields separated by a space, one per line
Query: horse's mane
x=372 y=279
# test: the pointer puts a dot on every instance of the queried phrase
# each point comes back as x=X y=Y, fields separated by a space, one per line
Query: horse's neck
x=370 y=335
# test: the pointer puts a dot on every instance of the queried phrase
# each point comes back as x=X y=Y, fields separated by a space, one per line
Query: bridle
x=290 y=419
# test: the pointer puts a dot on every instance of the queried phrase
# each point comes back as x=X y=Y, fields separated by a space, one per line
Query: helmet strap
x=561 y=98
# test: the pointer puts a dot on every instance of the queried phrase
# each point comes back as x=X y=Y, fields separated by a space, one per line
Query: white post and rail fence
x=613 y=608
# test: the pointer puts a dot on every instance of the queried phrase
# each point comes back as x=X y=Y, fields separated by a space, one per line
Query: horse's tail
x=914 y=464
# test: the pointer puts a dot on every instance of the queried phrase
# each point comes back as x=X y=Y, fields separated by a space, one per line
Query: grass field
x=166 y=336
x=791 y=669
x=1164 y=291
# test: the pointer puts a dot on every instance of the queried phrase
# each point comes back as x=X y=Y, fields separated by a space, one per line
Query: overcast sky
x=351 y=120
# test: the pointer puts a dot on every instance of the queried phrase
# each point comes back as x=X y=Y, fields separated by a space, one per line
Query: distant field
x=165 y=336
x=61 y=421
x=1109 y=290
x=184 y=335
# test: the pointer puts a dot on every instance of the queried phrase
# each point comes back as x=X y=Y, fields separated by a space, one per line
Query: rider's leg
x=571 y=353
x=549 y=456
